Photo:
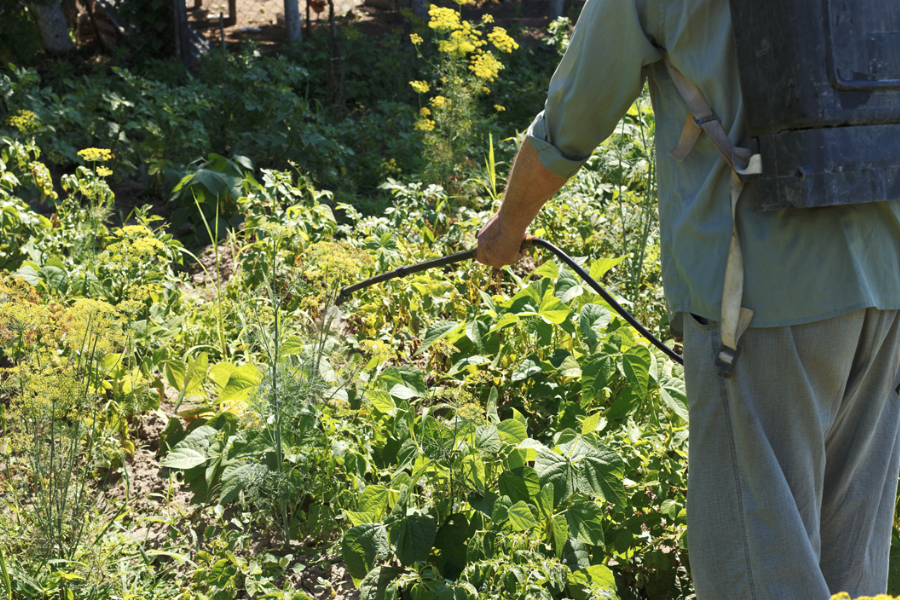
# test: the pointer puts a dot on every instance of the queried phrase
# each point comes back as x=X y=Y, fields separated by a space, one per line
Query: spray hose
x=348 y=291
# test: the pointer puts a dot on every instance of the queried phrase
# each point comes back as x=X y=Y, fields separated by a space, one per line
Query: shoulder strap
x=735 y=318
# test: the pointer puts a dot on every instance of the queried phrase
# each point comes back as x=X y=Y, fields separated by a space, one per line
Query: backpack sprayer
x=348 y=291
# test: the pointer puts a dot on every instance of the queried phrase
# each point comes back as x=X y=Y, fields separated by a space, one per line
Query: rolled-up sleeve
x=597 y=80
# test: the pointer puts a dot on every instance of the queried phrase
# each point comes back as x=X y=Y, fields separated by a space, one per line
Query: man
x=794 y=459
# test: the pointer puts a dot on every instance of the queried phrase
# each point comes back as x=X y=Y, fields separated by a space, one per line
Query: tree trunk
x=292 y=21
x=53 y=26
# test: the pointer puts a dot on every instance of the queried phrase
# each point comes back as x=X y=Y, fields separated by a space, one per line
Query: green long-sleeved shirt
x=800 y=265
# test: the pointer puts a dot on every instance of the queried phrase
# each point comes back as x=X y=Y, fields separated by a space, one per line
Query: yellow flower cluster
x=104 y=172
x=425 y=111
x=416 y=39
x=440 y=102
x=501 y=40
x=487 y=18
x=335 y=262
x=25 y=121
x=846 y=596
x=420 y=87
x=443 y=20
x=425 y=125
x=93 y=327
x=95 y=154
x=499 y=108
x=390 y=167
x=485 y=66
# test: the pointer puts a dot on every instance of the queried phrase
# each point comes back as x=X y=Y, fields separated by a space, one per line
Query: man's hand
x=499 y=245
x=530 y=185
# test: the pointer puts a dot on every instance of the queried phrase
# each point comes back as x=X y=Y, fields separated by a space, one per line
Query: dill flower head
x=93 y=327
x=420 y=87
x=485 y=65
x=25 y=121
x=425 y=125
x=425 y=112
x=104 y=172
x=335 y=262
x=416 y=39
x=501 y=40
x=95 y=154
x=440 y=102
x=443 y=20
x=487 y=18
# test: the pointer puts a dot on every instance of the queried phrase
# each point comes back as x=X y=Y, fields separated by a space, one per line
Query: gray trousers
x=793 y=462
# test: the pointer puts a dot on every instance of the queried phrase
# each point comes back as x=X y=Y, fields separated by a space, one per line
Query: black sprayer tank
x=821 y=88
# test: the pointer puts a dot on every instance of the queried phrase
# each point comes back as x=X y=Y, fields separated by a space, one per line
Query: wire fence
x=255 y=15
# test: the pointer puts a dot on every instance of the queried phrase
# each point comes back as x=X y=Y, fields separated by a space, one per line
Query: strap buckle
x=708 y=119
x=726 y=361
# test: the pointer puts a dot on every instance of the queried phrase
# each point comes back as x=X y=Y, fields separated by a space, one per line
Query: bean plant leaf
x=240 y=384
x=601 y=476
x=552 y=310
x=362 y=546
x=636 y=365
x=559 y=529
x=521 y=484
x=512 y=431
x=453 y=533
x=596 y=372
x=487 y=440
x=191 y=451
x=476 y=331
x=526 y=369
x=548 y=269
x=436 y=332
x=521 y=517
x=413 y=538
x=596 y=576
x=376 y=585
x=675 y=397
x=586 y=523
x=594 y=319
x=601 y=267
x=234 y=478
x=576 y=555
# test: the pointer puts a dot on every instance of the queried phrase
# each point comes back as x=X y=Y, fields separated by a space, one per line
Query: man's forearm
x=528 y=188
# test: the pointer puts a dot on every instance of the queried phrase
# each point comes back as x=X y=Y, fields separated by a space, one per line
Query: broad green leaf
x=374 y=498
x=568 y=287
x=591 y=423
x=234 y=478
x=526 y=369
x=413 y=539
x=586 y=523
x=505 y=320
x=576 y=555
x=292 y=346
x=521 y=484
x=554 y=311
x=594 y=319
x=501 y=509
x=376 y=585
x=675 y=397
x=476 y=331
x=544 y=500
x=241 y=383
x=191 y=451
x=454 y=532
x=381 y=401
x=29 y=273
x=521 y=517
x=636 y=365
x=183 y=458
x=220 y=374
x=601 y=475
x=436 y=332
x=599 y=268
x=511 y=431
x=559 y=471
x=362 y=546
x=548 y=269
x=596 y=372
x=407 y=376
x=56 y=278
x=560 y=533
x=487 y=440
x=597 y=576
